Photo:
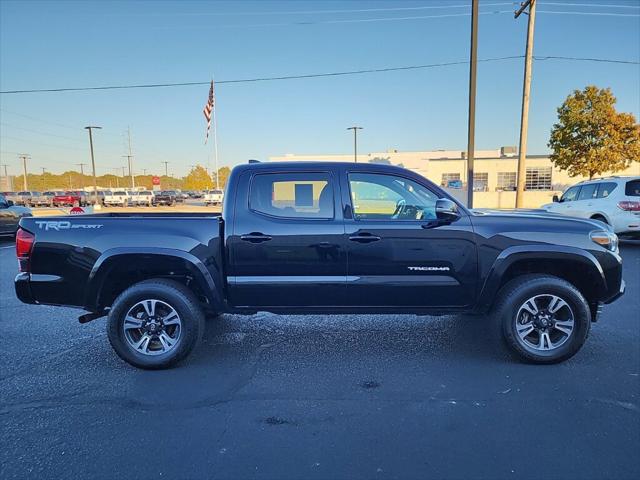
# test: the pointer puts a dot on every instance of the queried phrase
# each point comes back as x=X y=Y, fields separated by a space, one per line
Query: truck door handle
x=255 y=237
x=364 y=238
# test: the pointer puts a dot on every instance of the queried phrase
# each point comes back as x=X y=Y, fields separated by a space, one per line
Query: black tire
x=180 y=298
x=515 y=293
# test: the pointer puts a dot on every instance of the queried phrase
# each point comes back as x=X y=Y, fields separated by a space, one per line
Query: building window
x=506 y=181
x=449 y=177
x=538 y=178
x=480 y=182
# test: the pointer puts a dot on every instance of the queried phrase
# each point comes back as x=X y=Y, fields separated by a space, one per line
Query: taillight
x=24 y=245
x=629 y=206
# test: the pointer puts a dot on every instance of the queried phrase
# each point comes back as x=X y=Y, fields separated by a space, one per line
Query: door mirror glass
x=447 y=210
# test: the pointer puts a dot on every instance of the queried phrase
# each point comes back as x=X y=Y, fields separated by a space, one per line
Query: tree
x=223 y=175
x=591 y=137
x=198 y=179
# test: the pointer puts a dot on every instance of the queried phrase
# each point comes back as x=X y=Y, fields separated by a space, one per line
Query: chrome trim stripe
x=442 y=280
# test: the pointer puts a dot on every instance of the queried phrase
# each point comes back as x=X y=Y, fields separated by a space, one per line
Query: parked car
x=10 y=196
x=612 y=200
x=39 y=200
x=144 y=198
x=10 y=216
x=213 y=197
x=116 y=198
x=71 y=198
x=132 y=197
x=165 y=197
x=23 y=198
x=293 y=241
x=49 y=195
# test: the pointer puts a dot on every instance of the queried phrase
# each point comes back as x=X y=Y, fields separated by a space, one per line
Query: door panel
x=287 y=247
x=407 y=262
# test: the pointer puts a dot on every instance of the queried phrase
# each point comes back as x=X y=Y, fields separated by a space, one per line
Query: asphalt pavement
x=315 y=397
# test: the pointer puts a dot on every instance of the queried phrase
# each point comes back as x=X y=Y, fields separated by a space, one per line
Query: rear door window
x=605 y=189
x=632 y=188
x=292 y=195
x=587 y=192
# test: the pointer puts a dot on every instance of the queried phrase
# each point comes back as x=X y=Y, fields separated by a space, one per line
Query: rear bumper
x=23 y=288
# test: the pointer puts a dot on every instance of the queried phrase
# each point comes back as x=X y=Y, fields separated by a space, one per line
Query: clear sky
x=55 y=44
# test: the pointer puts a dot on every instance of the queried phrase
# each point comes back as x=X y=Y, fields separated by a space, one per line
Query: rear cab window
x=292 y=195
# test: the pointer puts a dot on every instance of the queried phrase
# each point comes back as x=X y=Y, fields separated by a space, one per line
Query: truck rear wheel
x=544 y=319
x=154 y=324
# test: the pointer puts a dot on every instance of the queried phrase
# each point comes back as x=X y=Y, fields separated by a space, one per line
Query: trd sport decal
x=65 y=225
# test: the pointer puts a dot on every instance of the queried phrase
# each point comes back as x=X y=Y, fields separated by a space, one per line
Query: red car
x=72 y=199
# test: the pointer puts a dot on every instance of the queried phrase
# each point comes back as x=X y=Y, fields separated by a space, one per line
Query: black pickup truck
x=331 y=238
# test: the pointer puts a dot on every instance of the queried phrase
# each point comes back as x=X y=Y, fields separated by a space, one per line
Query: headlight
x=608 y=240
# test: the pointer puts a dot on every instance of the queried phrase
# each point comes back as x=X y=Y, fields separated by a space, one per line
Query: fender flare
x=100 y=272
x=514 y=254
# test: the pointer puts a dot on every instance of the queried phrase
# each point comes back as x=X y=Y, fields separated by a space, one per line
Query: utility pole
x=355 y=142
x=144 y=171
x=165 y=168
x=115 y=169
x=473 y=69
x=129 y=157
x=526 y=89
x=24 y=157
x=44 y=185
x=93 y=165
x=6 y=175
x=81 y=165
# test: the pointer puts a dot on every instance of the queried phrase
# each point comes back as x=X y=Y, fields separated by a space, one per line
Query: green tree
x=198 y=179
x=591 y=137
x=223 y=175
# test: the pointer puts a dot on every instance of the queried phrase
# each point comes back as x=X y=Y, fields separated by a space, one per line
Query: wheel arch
x=117 y=269
x=574 y=265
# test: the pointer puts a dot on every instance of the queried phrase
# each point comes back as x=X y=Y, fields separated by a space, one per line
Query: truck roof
x=322 y=165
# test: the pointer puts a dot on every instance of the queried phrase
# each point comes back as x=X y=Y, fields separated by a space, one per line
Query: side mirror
x=556 y=199
x=447 y=210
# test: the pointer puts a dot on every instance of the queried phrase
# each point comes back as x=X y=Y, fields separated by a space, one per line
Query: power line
x=595 y=14
x=589 y=5
x=316 y=75
x=315 y=12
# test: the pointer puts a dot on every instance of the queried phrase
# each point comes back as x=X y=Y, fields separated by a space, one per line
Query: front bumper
x=617 y=295
x=23 y=288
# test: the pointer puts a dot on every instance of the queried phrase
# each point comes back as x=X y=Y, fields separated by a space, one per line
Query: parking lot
x=318 y=397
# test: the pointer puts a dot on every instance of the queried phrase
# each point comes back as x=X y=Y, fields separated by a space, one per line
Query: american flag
x=208 y=109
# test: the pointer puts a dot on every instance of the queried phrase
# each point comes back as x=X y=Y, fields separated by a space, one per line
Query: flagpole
x=215 y=137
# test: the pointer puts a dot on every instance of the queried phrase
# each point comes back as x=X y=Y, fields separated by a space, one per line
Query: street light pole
x=93 y=164
x=165 y=169
x=81 y=165
x=44 y=184
x=355 y=142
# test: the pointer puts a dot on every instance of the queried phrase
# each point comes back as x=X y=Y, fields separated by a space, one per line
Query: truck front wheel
x=544 y=319
x=155 y=323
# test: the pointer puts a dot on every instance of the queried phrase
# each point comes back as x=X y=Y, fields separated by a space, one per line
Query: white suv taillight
x=629 y=206
x=24 y=245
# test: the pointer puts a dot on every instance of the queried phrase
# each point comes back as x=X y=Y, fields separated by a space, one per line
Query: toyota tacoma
x=320 y=237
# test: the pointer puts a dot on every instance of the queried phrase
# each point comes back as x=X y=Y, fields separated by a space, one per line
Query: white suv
x=117 y=197
x=213 y=197
x=613 y=200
